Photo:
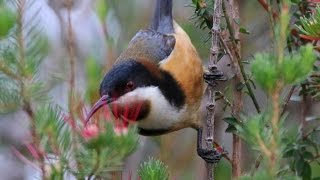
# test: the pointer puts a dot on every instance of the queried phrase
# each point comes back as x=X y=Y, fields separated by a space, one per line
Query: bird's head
x=139 y=90
x=123 y=86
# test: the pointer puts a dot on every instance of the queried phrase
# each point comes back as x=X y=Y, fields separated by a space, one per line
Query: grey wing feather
x=151 y=45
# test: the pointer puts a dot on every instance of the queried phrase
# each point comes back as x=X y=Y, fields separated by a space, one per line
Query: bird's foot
x=211 y=77
x=210 y=156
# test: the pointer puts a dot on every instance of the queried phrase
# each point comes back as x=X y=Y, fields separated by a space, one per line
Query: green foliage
x=203 y=10
x=259 y=175
x=254 y=130
x=94 y=74
x=121 y=143
x=264 y=70
x=105 y=153
x=21 y=53
x=297 y=67
x=223 y=170
x=313 y=85
x=296 y=151
x=232 y=124
x=10 y=99
x=153 y=170
x=301 y=152
x=102 y=9
x=7 y=20
x=310 y=26
x=293 y=69
x=55 y=132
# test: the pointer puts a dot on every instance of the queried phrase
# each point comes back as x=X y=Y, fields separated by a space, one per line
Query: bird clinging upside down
x=161 y=72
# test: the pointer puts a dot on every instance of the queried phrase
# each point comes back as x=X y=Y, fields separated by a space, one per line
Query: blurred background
x=101 y=30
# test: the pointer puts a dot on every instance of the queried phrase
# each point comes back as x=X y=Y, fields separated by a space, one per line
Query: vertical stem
x=233 y=7
x=281 y=39
x=287 y=99
x=235 y=56
x=21 y=5
x=72 y=59
x=20 y=39
x=36 y=141
x=71 y=53
x=237 y=68
x=210 y=134
x=209 y=137
x=303 y=111
x=265 y=5
x=274 y=123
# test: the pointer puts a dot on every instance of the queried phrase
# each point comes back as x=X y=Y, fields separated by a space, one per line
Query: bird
x=162 y=73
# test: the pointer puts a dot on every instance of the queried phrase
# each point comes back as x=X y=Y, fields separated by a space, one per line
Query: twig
x=5 y=70
x=20 y=39
x=236 y=63
x=72 y=59
x=36 y=141
x=225 y=156
x=257 y=164
x=238 y=59
x=303 y=111
x=215 y=30
x=71 y=53
x=265 y=6
x=287 y=99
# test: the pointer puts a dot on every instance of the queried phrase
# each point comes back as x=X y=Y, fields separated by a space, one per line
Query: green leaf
x=315 y=137
x=10 y=99
x=7 y=20
x=222 y=170
x=310 y=25
x=243 y=31
x=264 y=71
x=240 y=86
x=123 y=144
x=296 y=68
x=50 y=125
x=288 y=153
x=153 y=170
x=307 y=155
x=299 y=165
x=231 y=120
x=231 y=129
x=306 y=174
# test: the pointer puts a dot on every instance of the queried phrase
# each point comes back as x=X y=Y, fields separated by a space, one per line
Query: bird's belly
x=162 y=118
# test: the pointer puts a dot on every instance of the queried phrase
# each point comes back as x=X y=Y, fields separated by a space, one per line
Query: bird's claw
x=213 y=76
x=210 y=156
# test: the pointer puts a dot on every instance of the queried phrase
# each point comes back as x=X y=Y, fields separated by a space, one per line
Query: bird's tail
x=162 y=19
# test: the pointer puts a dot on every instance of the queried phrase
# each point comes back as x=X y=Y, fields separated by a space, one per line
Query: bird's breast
x=156 y=113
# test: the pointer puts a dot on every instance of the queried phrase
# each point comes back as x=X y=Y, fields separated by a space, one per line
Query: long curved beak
x=105 y=99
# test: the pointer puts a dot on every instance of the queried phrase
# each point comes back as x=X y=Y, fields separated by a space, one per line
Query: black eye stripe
x=128 y=71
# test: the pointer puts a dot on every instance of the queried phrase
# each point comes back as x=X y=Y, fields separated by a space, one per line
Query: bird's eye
x=130 y=86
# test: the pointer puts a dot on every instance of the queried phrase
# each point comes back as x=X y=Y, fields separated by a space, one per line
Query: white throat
x=162 y=114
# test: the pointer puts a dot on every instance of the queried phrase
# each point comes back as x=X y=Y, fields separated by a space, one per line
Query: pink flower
x=90 y=131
